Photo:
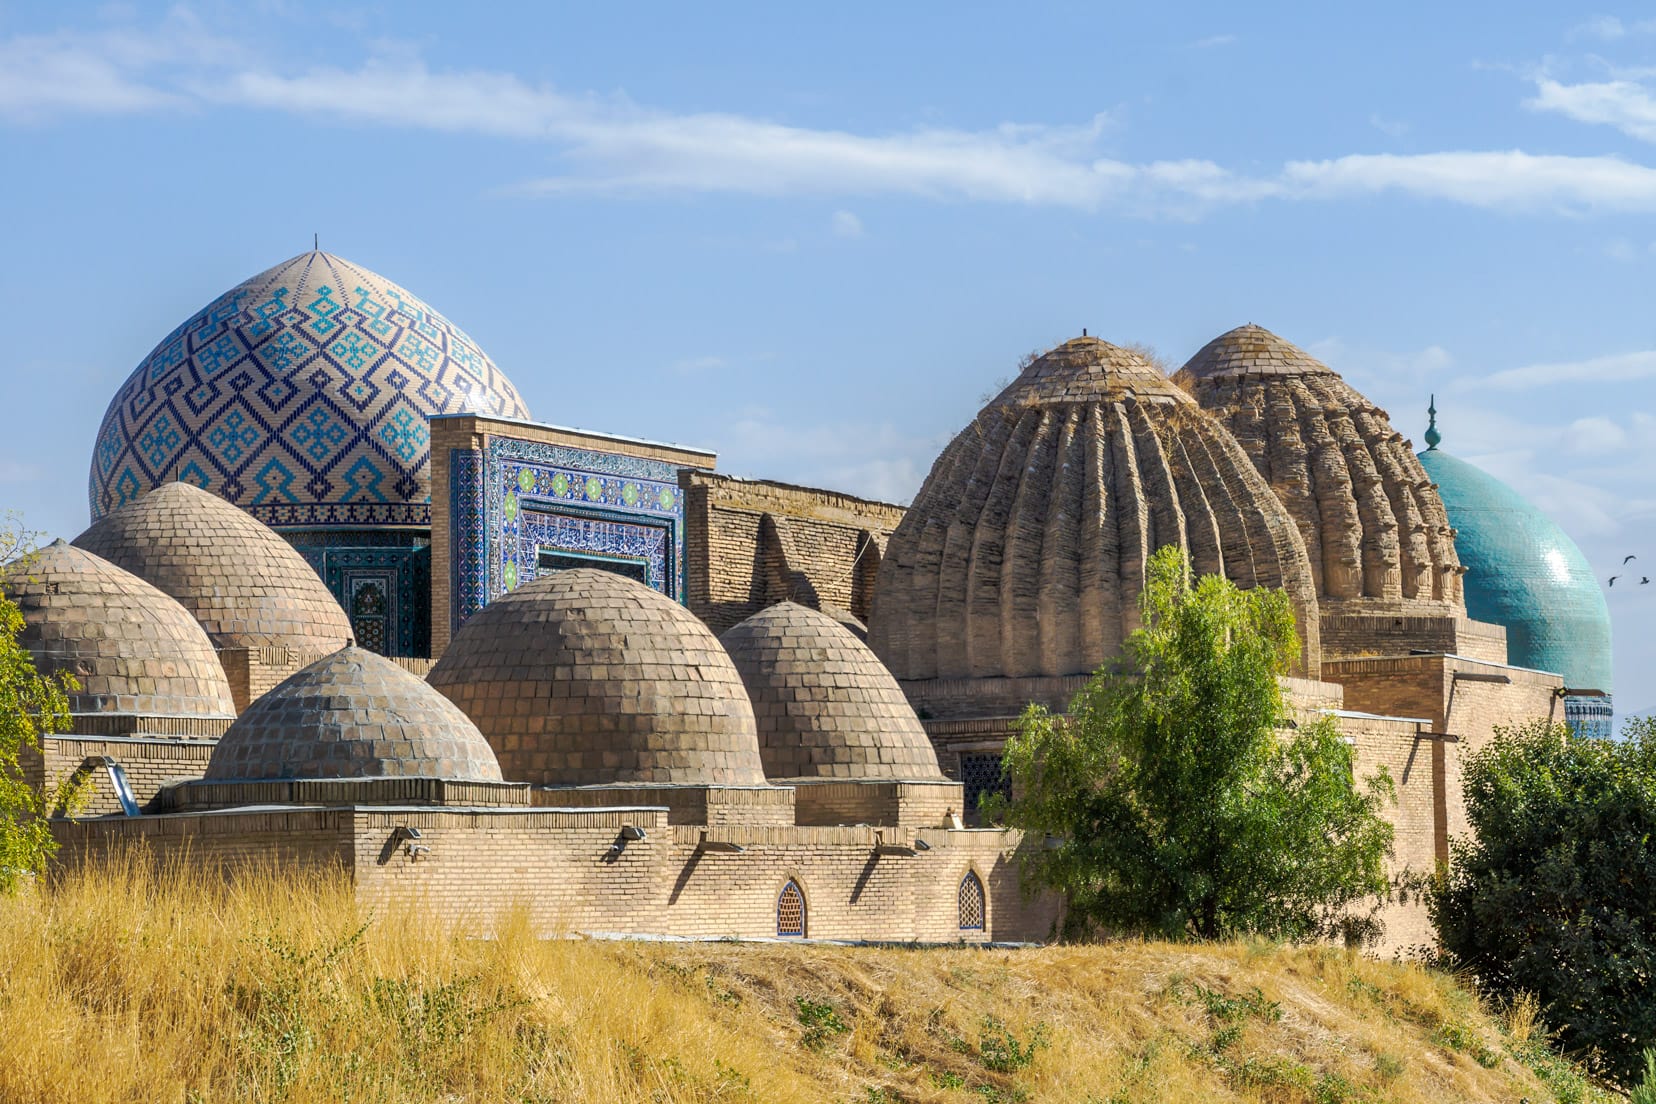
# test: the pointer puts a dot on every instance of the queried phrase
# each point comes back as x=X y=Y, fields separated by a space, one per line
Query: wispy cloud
x=1609 y=28
x=610 y=145
x=1212 y=41
x=1391 y=128
x=1615 y=368
x=1623 y=104
x=846 y=225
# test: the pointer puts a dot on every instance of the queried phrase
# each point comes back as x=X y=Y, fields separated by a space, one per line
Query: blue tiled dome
x=302 y=396
x=1524 y=572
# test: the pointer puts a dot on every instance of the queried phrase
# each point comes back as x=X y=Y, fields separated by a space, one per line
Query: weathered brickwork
x=714 y=806
x=752 y=543
x=149 y=764
x=1373 y=634
x=586 y=678
x=907 y=804
x=247 y=586
x=824 y=705
x=255 y=672
x=577 y=870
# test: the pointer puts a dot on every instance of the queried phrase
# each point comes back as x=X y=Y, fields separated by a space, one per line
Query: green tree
x=1177 y=796
x=1555 y=892
x=31 y=704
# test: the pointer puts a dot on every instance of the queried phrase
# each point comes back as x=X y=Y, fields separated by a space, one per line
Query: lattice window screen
x=790 y=911
x=980 y=773
x=971 y=903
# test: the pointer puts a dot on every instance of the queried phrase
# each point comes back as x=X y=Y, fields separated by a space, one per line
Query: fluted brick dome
x=1373 y=525
x=1024 y=552
x=133 y=649
x=247 y=586
x=826 y=706
x=352 y=714
x=583 y=677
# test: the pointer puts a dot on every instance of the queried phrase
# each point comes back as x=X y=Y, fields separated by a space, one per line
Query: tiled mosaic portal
x=302 y=396
x=522 y=507
x=383 y=582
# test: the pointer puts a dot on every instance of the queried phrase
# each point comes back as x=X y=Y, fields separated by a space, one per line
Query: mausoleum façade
x=634 y=694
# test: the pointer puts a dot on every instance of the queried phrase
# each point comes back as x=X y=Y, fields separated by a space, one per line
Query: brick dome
x=826 y=707
x=583 y=677
x=133 y=649
x=1024 y=552
x=352 y=714
x=247 y=586
x=1373 y=525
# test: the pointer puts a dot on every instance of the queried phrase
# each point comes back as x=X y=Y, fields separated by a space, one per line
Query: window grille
x=971 y=903
x=790 y=911
x=980 y=774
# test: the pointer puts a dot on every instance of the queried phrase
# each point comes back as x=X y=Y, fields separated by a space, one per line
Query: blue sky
x=813 y=240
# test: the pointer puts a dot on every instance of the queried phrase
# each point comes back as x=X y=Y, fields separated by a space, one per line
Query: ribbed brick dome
x=133 y=649
x=352 y=714
x=583 y=677
x=1373 y=526
x=826 y=706
x=244 y=583
x=1024 y=552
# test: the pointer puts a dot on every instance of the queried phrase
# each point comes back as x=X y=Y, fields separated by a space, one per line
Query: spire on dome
x=1433 y=437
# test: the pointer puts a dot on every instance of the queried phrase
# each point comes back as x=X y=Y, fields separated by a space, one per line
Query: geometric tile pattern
x=520 y=501
x=365 y=568
x=352 y=715
x=587 y=678
x=825 y=705
x=301 y=395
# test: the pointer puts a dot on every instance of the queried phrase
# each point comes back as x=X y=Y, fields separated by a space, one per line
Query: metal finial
x=316 y=243
x=1432 y=434
x=1083 y=331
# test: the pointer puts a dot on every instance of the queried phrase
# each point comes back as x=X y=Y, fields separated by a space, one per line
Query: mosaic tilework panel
x=518 y=497
x=302 y=396
x=383 y=582
x=1593 y=718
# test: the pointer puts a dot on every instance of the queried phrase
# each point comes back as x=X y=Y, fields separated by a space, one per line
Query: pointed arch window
x=790 y=911
x=971 y=903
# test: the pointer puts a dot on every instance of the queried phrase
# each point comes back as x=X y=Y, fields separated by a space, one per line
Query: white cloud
x=1623 y=104
x=846 y=225
x=610 y=145
x=1614 y=368
x=1606 y=27
x=1212 y=41
x=690 y=366
x=1391 y=128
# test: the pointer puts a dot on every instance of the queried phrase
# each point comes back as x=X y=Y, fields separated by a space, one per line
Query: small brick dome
x=585 y=678
x=825 y=706
x=352 y=714
x=133 y=649
x=247 y=586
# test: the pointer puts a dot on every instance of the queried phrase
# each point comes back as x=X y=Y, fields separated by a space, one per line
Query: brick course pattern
x=586 y=678
x=247 y=586
x=750 y=543
x=1024 y=552
x=573 y=870
x=353 y=714
x=150 y=765
x=1372 y=522
x=825 y=706
x=133 y=650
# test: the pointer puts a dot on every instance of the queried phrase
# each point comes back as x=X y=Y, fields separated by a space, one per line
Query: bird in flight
x=1626 y=558
x=1645 y=581
x=1613 y=579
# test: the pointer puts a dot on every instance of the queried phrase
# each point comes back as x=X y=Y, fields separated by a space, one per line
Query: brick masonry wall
x=254 y=672
x=750 y=544
x=149 y=765
x=1348 y=636
x=571 y=870
x=912 y=804
x=702 y=805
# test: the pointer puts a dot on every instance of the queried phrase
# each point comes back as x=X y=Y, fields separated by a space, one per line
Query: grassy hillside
x=122 y=986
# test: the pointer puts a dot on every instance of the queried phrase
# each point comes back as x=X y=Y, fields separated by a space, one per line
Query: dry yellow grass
x=119 y=984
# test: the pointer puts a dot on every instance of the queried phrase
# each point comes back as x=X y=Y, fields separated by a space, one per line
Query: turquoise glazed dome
x=1524 y=572
x=300 y=395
